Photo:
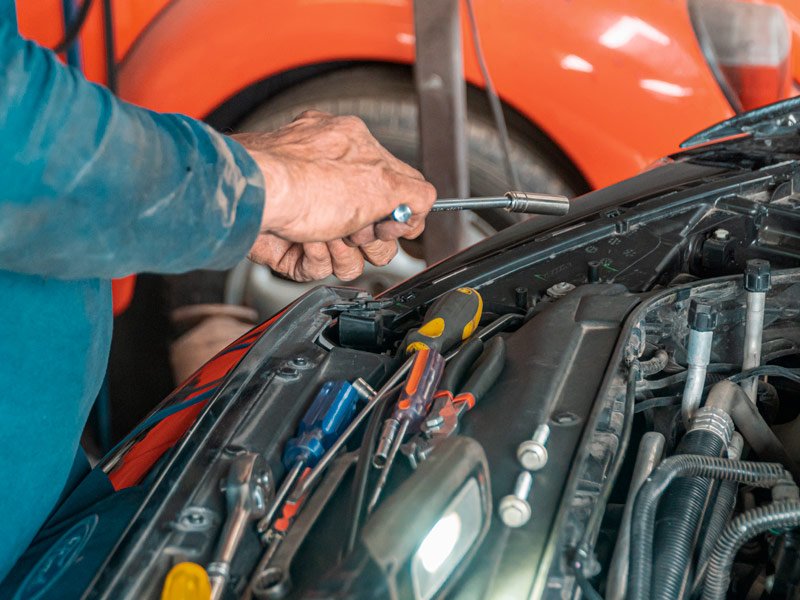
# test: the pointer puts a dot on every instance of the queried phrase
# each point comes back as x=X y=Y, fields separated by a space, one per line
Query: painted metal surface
x=615 y=84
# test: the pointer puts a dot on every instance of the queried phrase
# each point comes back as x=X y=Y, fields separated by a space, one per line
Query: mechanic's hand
x=317 y=260
x=328 y=179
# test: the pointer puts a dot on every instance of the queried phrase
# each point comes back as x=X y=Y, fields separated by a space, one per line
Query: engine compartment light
x=445 y=545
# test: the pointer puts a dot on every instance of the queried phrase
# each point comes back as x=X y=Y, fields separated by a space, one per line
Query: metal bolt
x=287 y=372
x=300 y=362
x=434 y=422
x=722 y=234
x=514 y=510
x=363 y=389
x=560 y=290
x=532 y=453
x=565 y=418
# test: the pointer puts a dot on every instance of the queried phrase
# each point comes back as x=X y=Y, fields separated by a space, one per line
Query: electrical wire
x=494 y=100
x=769 y=371
x=74 y=28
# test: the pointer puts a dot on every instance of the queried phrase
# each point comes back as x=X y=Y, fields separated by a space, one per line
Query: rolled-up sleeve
x=91 y=186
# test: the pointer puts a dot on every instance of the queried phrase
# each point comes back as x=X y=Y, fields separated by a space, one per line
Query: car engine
x=639 y=435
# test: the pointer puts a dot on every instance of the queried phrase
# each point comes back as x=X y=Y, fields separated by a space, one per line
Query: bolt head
x=702 y=316
x=722 y=234
x=532 y=455
x=757 y=277
x=513 y=511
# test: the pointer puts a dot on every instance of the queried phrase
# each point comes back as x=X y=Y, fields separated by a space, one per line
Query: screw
x=301 y=362
x=722 y=234
x=532 y=453
x=560 y=290
x=514 y=510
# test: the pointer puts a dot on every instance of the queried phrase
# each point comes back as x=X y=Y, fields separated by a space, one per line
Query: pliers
x=447 y=406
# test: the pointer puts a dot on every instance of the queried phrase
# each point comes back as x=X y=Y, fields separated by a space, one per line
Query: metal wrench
x=246 y=489
x=517 y=202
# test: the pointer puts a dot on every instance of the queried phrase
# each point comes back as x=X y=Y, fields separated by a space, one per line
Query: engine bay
x=618 y=421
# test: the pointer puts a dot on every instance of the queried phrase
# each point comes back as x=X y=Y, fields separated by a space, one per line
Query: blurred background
x=484 y=96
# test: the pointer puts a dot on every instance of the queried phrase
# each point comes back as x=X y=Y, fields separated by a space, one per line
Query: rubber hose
x=720 y=514
x=743 y=528
x=679 y=518
x=654 y=365
x=646 y=503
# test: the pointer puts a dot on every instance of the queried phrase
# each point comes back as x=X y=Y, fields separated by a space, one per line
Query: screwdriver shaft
x=398 y=440
x=326 y=459
x=280 y=496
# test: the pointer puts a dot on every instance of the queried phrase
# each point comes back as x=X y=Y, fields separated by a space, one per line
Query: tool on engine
x=448 y=407
x=186 y=581
x=516 y=202
x=409 y=412
x=450 y=319
x=329 y=414
x=271 y=578
x=246 y=489
x=757 y=280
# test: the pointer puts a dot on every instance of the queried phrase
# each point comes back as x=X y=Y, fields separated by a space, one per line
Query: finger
x=315 y=262
x=347 y=262
x=363 y=236
x=270 y=251
x=379 y=253
x=311 y=113
x=390 y=230
x=419 y=195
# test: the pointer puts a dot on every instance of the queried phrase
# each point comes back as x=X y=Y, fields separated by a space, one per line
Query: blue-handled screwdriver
x=329 y=414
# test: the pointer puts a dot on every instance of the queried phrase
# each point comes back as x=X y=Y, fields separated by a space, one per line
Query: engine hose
x=743 y=528
x=654 y=365
x=646 y=503
x=679 y=517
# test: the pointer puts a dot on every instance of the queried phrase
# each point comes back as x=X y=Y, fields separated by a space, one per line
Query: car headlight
x=747 y=47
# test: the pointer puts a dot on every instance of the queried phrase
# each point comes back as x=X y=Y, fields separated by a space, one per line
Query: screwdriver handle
x=449 y=320
x=417 y=394
x=329 y=414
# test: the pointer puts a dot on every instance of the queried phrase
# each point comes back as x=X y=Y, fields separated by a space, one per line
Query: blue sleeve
x=91 y=186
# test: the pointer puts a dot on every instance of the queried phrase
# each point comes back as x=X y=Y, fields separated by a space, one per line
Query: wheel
x=384 y=97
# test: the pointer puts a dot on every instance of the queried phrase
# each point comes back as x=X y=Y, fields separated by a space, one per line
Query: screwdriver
x=445 y=415
x=516 y=202
x=329 y=414
x=449 y=320
x=409 y=412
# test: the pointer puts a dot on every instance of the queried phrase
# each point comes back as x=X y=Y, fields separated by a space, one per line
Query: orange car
x=594 y=91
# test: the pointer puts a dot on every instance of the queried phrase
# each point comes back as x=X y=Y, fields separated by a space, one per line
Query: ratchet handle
x=449 y=320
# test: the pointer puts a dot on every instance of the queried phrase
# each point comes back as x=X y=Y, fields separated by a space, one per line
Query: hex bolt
x=514 y=510
x=532 y=453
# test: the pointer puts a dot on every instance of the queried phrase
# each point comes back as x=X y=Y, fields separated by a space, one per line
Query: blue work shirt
x=90 y=188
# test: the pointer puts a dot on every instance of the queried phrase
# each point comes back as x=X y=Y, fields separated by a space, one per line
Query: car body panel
x=591 y=75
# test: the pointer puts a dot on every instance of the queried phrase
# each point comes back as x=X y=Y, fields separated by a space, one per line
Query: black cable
x=110 y=46
x=660 y=402
x=494 y=100
x=74 y=28
x=587 y=589
x=355 y=509
x=769 y=371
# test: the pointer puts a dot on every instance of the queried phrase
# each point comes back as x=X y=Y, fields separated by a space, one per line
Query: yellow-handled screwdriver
x=450 y=320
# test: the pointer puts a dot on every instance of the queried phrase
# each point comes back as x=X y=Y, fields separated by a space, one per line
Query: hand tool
x=445 y=415
x=516 y=202
x=409 y=412
x=452 y=318
x=246 y=498
x=329 y=414
x=271 y=578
